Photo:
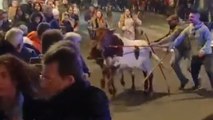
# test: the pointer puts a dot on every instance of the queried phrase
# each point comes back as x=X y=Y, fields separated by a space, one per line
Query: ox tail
x=137 y=52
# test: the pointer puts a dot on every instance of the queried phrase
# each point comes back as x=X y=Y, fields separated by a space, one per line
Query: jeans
x=196 y=63
x=175 y=63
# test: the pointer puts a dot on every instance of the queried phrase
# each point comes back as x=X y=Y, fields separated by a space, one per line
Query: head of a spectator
x=91 y=8
x=37 y=6
x=20 y=13
x=127 y=13
x=61 y=69
x=42 y=27
x=14 y=80
x=65 y=2
x=47 y=10
x=56 y=14
x=24 y=28
x=50 y=3
x=31 y=1
x=15 y=37
x=71 y=10
x=56 y=3
x=65 y=16
x=50 y=37
x=15 y=3
x=99 y=14
x=73 y=37
x=36 y=18
x=4 y=16
x=173 y=21
x=194 y=17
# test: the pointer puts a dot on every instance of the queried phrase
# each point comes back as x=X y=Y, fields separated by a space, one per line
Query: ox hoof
x=133 y=87
x=148 y=93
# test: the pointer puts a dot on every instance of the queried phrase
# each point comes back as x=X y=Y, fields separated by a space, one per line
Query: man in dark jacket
x=15 y=37
x=67 y=95
x=4 y=22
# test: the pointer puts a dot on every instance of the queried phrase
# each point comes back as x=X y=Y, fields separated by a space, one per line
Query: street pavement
x=133 y=105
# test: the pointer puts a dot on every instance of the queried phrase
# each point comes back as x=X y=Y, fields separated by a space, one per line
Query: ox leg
x=111 y=85
x=103 y=80
x=150 y=90
x=122 y=79
x=146 y=82
x=133 y=80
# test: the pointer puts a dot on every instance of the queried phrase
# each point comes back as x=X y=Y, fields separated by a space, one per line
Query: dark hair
x=34 y=15
x=194 y=11
x=19 y=71
x=37 y=3
x=6 y=47
x=50 y=37
x=42 y=27
x=68 y=58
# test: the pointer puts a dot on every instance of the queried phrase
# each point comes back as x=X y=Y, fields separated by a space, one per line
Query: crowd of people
x=43 y=75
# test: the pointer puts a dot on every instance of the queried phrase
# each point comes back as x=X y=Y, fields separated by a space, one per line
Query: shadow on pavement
x=135 y=98
x=202 y=94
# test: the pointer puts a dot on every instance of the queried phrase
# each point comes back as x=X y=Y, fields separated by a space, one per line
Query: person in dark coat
x=68 y=96
x=15 y=37
x=4 y=22
x=36 y=19
x=28 y=7
x=20 y=17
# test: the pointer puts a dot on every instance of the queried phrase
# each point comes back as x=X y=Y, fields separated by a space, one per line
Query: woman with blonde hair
x=128 y=23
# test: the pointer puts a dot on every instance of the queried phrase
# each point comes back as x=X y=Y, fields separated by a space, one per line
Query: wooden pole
x=161 y=69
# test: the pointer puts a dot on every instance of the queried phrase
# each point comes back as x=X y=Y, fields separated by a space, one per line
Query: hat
x=172 y=17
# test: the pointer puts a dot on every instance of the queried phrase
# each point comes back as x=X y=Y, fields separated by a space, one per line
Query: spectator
x=12 y=10
x=69 y=96
x=15 y=37
x=64 y=7
x=28 y=7
x=76 y=39
x=50 y=37
x=35 y=36
x=67 y=23
x=35 y=19
x=27 y=42
x=54 y=23
x=128 y=24
x=37 y=7
x=6 y=47
x=14 y=83
x=4 y=22
x=48 y=14
x=89 y=14
x=20 y=17
x=98 y=21
x=74 y=18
